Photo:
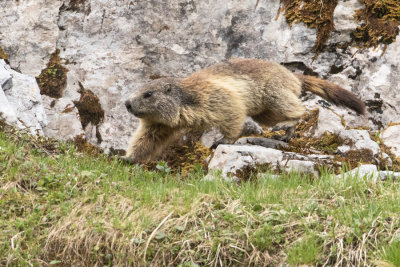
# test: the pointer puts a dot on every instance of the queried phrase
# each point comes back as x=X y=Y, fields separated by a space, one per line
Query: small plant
x=304 y=251
x=162 y=166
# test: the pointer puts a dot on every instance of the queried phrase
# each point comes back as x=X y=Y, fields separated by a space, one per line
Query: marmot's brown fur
x=221 y=96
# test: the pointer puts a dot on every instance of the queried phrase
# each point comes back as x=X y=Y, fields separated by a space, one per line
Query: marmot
x=221 y=96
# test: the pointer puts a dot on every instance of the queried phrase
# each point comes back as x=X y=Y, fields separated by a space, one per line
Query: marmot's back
x=257 y=83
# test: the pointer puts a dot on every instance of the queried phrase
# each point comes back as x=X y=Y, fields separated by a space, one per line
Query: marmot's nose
x=128 y=105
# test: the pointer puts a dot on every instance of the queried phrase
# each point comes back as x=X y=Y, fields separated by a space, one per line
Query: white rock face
x=21 y=102
x=7 y=110
x=361 y=140
x=64 y=122
x=369 y=171
x=391 y=138
x=301 y=166
x=113 y=47
x=5 y=76
x=328 y=121
x=29 y=32
x=233 y=158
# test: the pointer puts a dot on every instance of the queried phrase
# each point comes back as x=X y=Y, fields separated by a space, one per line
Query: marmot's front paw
x=130 y=160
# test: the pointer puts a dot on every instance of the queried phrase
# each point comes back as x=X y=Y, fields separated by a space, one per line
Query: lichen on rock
x=53 y=79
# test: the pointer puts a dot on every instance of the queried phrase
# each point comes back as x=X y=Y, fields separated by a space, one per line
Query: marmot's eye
x=147 y=94
x=169 y=87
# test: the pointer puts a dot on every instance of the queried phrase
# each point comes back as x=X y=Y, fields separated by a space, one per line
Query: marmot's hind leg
x=286 y=115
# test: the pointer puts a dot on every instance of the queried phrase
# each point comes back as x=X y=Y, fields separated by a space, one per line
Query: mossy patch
x=315 y=14
x=380 y=21
x=89 y=107
x=84 y=146
x=3 y=55
x=77 y=6
x=186 y=154
x=53 y=79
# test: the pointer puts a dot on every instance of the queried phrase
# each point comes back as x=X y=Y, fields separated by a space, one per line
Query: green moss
x=380 y=21
x=53 y=79
x=315 y=14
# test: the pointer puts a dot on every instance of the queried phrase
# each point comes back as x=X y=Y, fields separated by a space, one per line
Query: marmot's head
x=159 y=101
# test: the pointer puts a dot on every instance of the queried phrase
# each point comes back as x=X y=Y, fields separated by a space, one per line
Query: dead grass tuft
x=198 y=235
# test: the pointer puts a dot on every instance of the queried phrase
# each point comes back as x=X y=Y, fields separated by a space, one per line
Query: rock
x=385 y=175
x=64 y=122
x=261 y=141
x=301 y=166
x=328 y=121
x=369 y=171
x=21 y=103
x=343 y=149
x=391 y=138
x=25 y=97
x=5 y=76
x=344 y=20
x=360 y=139
x=6 y=110
x=235 y=161
x=29 y=32
x=233 y=158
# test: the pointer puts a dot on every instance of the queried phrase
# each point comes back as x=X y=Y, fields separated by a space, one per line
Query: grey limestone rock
x=20 y=100
x=391 y=138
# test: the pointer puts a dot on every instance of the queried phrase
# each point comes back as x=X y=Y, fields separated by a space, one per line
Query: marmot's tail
x=332 y=93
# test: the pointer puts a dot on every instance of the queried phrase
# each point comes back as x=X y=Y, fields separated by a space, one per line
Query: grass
x=61 y=207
